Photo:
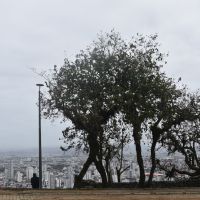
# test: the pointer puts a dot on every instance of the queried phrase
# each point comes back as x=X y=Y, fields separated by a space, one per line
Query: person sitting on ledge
x=35 y=181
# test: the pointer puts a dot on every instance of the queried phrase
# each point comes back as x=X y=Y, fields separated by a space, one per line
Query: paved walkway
x=120 y=194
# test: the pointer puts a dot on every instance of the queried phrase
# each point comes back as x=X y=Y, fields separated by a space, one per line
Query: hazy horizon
x=39 y=34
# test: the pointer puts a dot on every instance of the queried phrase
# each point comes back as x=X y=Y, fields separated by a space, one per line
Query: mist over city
x=101 y=97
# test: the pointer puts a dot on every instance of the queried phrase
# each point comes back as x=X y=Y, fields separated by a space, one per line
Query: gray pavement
x=179 y=193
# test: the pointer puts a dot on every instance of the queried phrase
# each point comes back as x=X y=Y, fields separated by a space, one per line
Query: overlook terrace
x=119 y=194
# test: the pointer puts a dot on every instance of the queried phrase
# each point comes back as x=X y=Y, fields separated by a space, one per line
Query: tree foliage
x=184 y=137
x=115 y=92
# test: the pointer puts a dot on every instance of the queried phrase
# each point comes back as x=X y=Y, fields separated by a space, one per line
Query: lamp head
x=39 y=84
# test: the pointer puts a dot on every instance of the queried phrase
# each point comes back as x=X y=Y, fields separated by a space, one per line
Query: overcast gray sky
x=40 y=33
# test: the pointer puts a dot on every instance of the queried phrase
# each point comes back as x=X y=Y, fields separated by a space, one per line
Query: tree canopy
x=109 y=88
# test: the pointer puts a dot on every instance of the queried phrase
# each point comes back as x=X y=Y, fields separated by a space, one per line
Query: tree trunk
x=79 y=178
x=108 y=171
x=118 y=175
x=156 y=132
x=102 y=172
x=109 y=175
x=153 y=162
x=107 y=167
x=96 y=151
x=136 y=136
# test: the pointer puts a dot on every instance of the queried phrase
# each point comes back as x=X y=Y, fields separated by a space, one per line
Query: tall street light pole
x=40 y=147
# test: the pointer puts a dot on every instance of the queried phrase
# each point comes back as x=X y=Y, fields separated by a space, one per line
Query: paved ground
x=120 y=194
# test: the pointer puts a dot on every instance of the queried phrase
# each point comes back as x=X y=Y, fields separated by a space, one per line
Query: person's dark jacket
x=35 y=181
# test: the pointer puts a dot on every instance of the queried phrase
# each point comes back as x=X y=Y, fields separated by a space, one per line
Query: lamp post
x=40 y=147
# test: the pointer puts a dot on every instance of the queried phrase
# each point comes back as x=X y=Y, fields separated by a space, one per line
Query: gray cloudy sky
x=40 y=33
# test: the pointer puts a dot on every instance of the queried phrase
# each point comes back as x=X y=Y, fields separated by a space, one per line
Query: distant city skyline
x=39 y=34
x=59 y=170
